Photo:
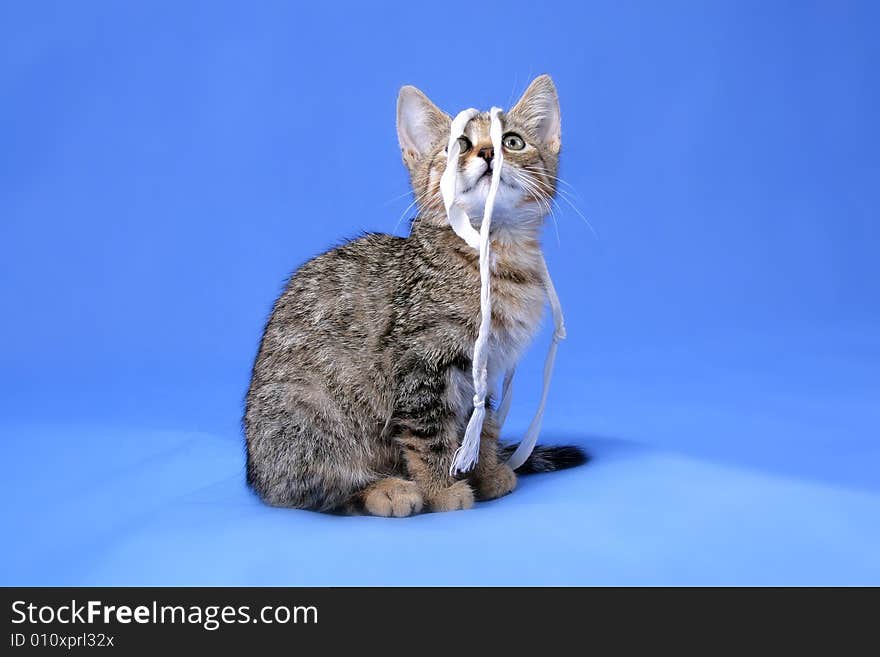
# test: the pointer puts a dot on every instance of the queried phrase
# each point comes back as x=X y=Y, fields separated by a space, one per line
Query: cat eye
x=464 y=144
x=513 y=142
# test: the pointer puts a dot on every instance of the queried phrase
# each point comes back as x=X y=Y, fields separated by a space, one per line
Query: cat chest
x=516 y=318
x=517 y=310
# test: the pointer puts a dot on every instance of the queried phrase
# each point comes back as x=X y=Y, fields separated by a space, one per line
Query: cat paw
x=393 y=497
x=495 y=483
x=458 y=496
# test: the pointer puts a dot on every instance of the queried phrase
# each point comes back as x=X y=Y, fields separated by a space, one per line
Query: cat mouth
x=485 y=177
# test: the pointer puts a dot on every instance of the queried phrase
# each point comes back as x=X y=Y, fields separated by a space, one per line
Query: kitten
x=362 y=385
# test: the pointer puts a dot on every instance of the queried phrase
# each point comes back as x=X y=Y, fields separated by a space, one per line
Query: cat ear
x=538 y=109
x=420 y=124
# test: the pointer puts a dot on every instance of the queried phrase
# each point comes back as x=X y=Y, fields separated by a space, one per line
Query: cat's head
x=531 y=142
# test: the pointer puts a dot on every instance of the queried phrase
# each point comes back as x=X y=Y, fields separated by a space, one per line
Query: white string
x=458 y=218
x=531 y=438
x=506 y=397
x=467 y=455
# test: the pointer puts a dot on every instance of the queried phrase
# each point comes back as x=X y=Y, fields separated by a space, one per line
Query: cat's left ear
x=538 y=109
x=420 y=125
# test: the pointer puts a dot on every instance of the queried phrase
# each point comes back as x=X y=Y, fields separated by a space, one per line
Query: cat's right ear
x=420 y=125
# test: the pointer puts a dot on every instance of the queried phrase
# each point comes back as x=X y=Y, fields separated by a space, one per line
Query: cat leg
x=491 y=478
x=428 y=432
x=428 y=461
x=392 y=497
x=296 y=458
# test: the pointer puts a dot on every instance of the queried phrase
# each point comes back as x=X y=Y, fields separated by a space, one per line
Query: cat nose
x=487 y=153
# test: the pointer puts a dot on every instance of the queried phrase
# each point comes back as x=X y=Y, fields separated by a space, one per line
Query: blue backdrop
x=166 y=165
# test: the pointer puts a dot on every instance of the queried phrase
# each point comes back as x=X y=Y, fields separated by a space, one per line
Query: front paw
x=393 y=497
x=495 y=483
x=458 y=496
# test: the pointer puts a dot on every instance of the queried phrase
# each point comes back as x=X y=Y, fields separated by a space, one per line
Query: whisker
x=544 y=172
x=556 y=228
x=586 y=221
x=421 y=197
x=563 y=194
x=397 y=198
x=512 y=90
x=531 y=185
x=531 y=188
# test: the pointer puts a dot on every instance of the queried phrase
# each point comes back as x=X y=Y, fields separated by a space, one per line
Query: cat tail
x=547 y=458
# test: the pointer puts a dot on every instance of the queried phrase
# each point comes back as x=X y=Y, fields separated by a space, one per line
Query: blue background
x=166 y=165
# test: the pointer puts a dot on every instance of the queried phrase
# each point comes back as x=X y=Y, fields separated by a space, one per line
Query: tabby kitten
x=362 y=387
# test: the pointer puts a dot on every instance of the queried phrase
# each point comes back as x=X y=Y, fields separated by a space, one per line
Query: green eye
x=513 y=142
x=464 y=144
